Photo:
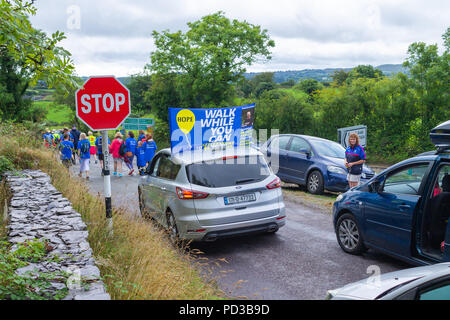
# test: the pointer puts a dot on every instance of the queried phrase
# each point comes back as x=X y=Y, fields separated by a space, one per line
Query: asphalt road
x=301 y=261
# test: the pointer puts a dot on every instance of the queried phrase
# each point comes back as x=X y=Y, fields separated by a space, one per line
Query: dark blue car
x=404 y=210
x=315 y=162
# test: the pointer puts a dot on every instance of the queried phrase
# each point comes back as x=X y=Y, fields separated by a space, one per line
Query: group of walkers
x=73 y=143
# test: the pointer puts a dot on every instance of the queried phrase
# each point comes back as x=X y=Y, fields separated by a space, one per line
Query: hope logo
x=185 y=120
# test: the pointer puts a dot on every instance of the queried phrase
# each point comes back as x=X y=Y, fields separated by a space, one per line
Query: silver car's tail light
x=274 y=184
x=184 y=194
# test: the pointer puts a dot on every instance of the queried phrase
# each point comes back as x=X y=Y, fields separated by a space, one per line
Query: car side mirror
x=374 y=186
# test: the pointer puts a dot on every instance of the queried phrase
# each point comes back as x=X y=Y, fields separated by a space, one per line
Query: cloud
x=115 y=35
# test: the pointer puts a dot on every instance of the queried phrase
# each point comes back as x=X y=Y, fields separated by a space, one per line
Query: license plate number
x=239 y=199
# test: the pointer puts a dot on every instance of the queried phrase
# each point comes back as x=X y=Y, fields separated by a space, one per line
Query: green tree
x=139 y=85
x=27 y=55
x=339 y=78
x=309 y=86
x=211 y=56
x=163 y=94
x=36 y=52
x=13 y=84
x=430 y=78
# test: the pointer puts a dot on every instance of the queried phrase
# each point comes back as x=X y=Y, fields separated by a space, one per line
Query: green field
x=57 y=113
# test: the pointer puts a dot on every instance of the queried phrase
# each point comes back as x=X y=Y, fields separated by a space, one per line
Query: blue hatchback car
x=404 y=210
x=315 y=162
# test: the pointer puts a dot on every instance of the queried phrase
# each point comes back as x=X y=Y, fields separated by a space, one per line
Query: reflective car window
x=228 y=172
x=440 y=292
x=328 y=148
x=298 y=144
x=153 y=170
x=407 y=180
x=282 y=142
x=167 y=169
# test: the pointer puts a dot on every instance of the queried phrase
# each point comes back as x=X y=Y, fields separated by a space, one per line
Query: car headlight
x=363 y=175
x=337 y=170
x=339 y=197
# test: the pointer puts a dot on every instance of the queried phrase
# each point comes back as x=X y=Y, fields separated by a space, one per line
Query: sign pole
x=107 y=180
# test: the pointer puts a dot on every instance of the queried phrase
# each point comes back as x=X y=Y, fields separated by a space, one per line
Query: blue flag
x=196 y=129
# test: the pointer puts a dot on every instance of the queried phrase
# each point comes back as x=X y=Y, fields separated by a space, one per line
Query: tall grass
x=137 y=261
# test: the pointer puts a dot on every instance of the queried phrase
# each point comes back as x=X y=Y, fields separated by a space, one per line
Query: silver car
x=206 y=195
x=421 y=283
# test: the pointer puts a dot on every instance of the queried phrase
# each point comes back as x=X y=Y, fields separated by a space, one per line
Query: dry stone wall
x=38 y=211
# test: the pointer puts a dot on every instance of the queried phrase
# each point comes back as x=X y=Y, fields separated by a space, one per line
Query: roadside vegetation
x=137 y=261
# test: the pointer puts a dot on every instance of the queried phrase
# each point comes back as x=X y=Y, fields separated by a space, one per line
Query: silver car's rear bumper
x=211 y=233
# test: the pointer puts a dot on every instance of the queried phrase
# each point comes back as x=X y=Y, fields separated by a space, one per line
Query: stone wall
x=38 y=211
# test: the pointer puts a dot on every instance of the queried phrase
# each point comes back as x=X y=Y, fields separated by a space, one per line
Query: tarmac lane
x=300 y=262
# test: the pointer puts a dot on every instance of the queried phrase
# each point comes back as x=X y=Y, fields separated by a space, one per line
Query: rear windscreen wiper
x=244 y=180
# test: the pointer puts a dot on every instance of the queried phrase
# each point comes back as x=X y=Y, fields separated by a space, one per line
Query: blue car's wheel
x=314 y=184
x=348 y=235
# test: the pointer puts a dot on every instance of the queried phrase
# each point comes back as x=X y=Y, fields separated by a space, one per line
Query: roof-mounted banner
x=196 y=129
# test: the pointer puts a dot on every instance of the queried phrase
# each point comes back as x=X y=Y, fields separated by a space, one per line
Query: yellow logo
x=185 y=120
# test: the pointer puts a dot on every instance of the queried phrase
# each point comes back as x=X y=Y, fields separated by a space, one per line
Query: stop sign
x=103 y=103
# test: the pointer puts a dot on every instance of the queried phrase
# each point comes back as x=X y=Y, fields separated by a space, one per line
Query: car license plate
x=239 y=199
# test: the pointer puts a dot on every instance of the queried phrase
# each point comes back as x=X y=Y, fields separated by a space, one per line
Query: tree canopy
x=209 y=57
x=38 y=54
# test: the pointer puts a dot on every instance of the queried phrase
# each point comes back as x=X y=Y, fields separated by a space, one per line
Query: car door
x=298 y=159
x=152 y=188
x=389 y=209
x=167 y=174
x=277 y=155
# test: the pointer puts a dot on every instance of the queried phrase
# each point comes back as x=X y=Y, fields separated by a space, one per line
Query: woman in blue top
x=150 y=148
x=354 y=160
x=66 y=147
x=140 y=158
x=83 y=148
x=131 y=145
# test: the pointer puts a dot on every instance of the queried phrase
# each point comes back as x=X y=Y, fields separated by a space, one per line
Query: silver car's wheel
x=172 y=227
x=348 y=235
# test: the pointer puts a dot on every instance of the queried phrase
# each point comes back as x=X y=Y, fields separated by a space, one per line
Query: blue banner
x=196 y=129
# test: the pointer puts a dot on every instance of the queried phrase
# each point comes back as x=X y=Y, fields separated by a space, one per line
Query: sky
x=113 y=37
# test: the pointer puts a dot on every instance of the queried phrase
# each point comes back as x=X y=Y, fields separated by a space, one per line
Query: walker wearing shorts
x=354 y=177
x=353 y=155
x=84 y=165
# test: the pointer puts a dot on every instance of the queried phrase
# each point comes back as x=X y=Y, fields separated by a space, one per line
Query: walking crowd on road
x=74 y=144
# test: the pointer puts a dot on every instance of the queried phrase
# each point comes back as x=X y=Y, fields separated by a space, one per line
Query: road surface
x=301 y=261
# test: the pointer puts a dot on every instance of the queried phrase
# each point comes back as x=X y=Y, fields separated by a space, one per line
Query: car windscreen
x=228 y=171
x=329 y=149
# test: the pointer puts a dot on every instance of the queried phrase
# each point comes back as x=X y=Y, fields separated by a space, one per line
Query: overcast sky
x=113 y=37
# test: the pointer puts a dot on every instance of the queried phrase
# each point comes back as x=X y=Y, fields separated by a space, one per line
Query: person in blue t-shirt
x=140 y=158
x=99 y=148
x=85 y=156
x=66 y=147
x=150 y=149
x=355 y=157
x=141 y=136
x=48 y=138
x=131 y=145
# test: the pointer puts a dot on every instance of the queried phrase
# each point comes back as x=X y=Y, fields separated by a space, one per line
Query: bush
x=5 y=164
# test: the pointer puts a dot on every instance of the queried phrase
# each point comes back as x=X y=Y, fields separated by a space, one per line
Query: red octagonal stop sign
x=103 y=103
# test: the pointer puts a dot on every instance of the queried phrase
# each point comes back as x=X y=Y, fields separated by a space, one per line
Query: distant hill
x=324 y=74
x=318 y=74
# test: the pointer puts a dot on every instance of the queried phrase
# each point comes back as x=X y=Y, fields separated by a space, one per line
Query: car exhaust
x=272 y=228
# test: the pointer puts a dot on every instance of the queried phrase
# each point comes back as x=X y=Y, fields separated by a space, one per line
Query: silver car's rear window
x=230 y=171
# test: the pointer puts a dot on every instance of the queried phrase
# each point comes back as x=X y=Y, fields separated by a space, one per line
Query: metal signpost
x=103 y=103
x=344 y=133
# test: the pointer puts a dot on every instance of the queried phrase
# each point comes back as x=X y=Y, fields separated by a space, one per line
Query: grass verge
x=137 y=261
